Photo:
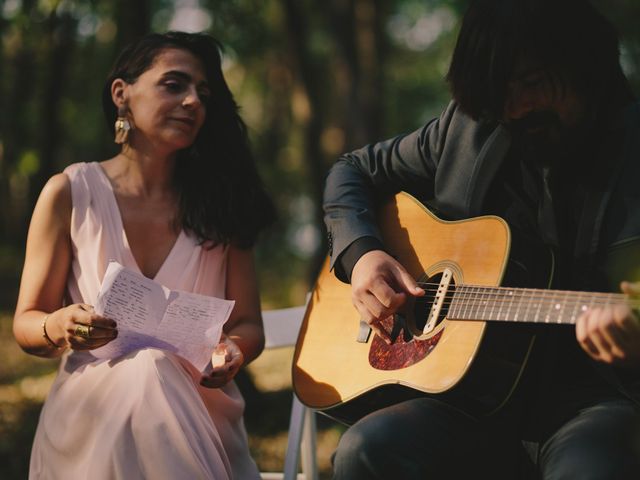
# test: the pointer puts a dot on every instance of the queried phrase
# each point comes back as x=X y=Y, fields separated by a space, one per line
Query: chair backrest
x=281 y=326
x=281 y=330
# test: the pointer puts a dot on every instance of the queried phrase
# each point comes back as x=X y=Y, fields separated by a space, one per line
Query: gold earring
x=122 y=127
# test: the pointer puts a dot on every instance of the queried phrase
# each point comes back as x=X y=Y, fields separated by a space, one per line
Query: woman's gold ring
x=82 y=331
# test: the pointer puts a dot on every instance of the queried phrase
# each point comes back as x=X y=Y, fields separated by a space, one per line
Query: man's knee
x=359 y=453
x=415 y=438
x=590 y=464
x=602 y=443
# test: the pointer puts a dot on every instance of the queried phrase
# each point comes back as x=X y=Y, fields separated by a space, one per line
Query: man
x=543 y=131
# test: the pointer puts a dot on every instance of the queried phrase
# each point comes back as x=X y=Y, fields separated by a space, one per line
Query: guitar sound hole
x=422 y=305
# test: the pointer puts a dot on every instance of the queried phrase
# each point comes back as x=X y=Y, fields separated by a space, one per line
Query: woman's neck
x=143 y=174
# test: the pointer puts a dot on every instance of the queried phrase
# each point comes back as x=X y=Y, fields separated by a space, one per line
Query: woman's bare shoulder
x=58 y=185
x=55 y=198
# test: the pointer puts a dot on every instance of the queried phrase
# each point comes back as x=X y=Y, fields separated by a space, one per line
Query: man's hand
x=612 y=334
x=379 y=287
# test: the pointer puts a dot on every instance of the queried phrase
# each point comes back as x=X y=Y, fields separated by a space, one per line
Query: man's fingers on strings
x=630 y=288
x=597 y=332
x=590 y=347
x=582 y=334
x=384 y=294
x=618 y=331
x=409 y=284
x=376 y=310
x=604 y=348
x=615 y=341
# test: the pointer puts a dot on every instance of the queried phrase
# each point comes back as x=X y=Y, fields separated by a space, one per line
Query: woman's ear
x=119 y=92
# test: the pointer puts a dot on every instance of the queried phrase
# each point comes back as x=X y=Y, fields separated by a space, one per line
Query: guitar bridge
x=438 y=301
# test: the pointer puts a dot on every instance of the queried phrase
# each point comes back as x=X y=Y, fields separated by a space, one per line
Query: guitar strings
x=541 y=309
x=486 y=302
x=542 y=295
x=474 y=299
x=543 y=303
x=504 y=310
x=509 y=307
x=541 y=312
x=516 y=289
x=510 y=294
x=534 y=295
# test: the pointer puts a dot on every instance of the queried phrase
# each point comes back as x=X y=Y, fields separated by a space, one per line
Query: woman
x=182 y=204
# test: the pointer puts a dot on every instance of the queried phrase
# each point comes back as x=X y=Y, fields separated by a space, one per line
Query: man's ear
x=119 y=92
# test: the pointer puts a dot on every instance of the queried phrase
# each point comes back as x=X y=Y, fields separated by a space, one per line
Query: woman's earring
x=122 y=126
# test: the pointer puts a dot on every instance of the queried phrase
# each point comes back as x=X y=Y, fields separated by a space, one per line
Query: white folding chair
x=281 y=330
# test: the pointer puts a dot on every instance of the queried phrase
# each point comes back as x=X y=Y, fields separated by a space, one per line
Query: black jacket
x=450 y=163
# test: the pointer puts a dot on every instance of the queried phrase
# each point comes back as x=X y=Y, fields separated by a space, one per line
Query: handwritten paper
x=151 y=315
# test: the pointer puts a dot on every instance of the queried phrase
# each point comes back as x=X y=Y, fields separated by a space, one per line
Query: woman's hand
x=611 y=334
x=379 y=287
x=219 y=375
x=81 y=328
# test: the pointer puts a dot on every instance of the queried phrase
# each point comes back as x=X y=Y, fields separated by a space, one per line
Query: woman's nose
x=192 y=99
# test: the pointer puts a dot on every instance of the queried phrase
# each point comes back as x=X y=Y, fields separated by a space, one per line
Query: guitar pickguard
x=400 y=354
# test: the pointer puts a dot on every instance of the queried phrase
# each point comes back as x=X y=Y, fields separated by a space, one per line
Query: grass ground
x=25 y=381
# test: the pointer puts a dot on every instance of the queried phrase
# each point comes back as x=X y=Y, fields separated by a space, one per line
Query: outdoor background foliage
x=314 y=78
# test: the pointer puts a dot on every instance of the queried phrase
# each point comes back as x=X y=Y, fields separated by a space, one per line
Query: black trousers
x=427 y=439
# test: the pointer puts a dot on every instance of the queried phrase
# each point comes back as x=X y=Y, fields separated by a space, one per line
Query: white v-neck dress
x=144 y=415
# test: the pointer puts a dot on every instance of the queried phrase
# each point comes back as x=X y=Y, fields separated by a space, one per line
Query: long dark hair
x=221 y=197
x=566 y=37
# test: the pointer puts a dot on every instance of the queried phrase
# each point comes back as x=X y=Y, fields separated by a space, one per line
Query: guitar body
x=473 y=364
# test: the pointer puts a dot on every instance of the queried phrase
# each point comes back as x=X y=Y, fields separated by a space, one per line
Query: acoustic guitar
x=458 y=342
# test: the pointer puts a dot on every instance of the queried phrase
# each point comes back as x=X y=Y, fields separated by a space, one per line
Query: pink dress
x=144 y=415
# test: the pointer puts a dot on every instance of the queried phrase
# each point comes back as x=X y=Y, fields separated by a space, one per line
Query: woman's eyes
x=174 y=86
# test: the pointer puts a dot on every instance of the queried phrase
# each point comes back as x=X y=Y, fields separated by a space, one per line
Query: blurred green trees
x=314 y=78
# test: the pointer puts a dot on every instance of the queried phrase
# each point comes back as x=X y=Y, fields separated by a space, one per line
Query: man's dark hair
x=221 y=197
x=569 y=38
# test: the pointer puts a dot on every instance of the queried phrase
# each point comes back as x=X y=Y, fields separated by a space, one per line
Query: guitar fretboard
x=475 y=302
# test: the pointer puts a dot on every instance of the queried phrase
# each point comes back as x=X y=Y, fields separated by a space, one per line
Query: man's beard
x=550 y=141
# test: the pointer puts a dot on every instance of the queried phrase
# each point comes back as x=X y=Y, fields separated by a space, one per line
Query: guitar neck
x=529 y=305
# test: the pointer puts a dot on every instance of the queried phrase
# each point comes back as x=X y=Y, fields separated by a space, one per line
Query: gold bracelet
x=46 y=336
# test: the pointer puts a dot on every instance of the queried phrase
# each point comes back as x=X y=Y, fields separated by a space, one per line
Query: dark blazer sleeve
x=358 y=179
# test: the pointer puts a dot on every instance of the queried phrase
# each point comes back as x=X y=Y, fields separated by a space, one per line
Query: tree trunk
x=133 y=20
x=297 y=31
x=61 y=33
x=357 y=30
x=15 y=130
